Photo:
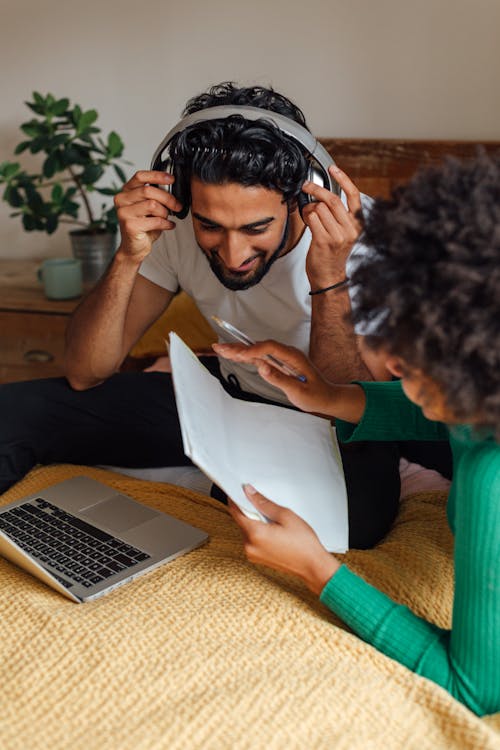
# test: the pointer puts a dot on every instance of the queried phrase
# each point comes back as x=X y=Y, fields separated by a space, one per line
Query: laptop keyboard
x=71 y=546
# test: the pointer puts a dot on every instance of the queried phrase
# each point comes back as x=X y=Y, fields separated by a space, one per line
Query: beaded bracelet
x=333 y=286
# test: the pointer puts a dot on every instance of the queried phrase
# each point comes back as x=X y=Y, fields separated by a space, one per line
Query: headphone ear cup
x=177 y=189
x=314 y=174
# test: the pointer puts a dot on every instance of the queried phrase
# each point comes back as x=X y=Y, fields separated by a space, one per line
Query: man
x=246 y=254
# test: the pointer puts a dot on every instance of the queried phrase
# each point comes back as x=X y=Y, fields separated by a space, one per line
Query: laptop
x=84 y=539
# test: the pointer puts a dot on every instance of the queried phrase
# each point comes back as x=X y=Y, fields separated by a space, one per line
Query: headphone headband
x=288 y=126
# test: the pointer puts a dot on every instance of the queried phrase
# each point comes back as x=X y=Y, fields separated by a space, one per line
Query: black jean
x=131 y=420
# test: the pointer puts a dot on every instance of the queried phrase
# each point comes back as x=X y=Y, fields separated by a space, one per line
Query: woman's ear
x=395 y=365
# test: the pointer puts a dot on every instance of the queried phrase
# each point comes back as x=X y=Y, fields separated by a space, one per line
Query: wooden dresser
x=31 y=326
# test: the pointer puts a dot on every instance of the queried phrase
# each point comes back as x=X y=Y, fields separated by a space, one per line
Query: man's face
x=241 y=230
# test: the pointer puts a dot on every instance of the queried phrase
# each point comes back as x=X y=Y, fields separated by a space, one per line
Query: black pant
x=131 y=420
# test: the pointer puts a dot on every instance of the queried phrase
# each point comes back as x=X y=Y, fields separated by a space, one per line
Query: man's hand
x=143 y=212
x=334 y=229
x=287 y=543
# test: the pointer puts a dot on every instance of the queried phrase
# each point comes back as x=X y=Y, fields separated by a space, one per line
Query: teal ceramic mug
x=61 y=278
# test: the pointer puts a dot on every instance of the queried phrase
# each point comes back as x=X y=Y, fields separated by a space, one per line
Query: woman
x=428 y=298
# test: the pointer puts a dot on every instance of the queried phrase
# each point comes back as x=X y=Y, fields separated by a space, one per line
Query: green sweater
x=466 y=659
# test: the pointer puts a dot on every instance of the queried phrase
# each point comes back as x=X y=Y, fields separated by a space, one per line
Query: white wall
x=361 y=68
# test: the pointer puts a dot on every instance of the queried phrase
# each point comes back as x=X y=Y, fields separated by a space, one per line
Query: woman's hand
x=287 y=543
x=334 y=227
x=314 y=395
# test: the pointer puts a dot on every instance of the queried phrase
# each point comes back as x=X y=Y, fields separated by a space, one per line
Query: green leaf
x=13 y=197
x=119 y=171
x=71 y=208
x=38 y=109
x=34 y=199
x=59 y=139
x=32 y=128
x=57 y=193
x=87 y=139
x=50 y=166
x=51 y=223
x=60 y=107
x=115 y=144
x=86 y=120
x=37 y=144
x=77 y=153
x=21 y=147
x=9 y=168
x=106 y=191
x=91 y=174
x=76 y=114
x=38 y=98
x=28 y=222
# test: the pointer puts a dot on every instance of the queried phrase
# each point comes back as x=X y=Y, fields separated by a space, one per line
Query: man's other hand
x=334 y=227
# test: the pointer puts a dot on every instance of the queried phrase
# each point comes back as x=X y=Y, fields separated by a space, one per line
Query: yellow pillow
x=183 y=317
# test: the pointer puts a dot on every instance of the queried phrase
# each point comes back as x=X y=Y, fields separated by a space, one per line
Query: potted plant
x=75 y=159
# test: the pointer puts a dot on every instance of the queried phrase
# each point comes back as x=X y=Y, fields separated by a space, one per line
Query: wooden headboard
x=376 y=166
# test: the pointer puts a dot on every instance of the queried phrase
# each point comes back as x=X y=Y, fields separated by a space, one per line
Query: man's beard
x=238 y=282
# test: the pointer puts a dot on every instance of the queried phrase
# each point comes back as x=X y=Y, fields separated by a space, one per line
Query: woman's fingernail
x=250 y=489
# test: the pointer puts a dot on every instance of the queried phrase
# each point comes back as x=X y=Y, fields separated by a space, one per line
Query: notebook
x=289 y=456
x=84 y=539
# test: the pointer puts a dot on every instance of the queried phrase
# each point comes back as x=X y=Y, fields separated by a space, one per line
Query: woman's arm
x=466 y=660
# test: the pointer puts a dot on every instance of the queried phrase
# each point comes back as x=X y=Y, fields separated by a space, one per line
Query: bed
x=212 y=652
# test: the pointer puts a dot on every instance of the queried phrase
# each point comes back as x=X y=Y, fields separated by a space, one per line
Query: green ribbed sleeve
x=466 y=660
x=389 y=415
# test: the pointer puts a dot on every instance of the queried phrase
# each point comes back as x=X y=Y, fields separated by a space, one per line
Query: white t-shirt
x=278 y=307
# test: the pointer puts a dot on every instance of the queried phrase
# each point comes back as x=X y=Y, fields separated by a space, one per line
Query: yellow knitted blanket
x=212 y=652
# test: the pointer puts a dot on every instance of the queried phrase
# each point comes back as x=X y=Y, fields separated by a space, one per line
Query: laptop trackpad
x=119 y=513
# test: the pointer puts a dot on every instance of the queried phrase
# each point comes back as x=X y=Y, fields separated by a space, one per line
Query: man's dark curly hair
x=430 y=291
x=238 y=150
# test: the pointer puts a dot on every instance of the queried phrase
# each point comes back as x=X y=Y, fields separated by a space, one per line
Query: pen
x=285 y=368
x=244 y=339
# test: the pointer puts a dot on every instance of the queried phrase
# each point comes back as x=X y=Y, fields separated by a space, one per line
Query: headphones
x=319 y=158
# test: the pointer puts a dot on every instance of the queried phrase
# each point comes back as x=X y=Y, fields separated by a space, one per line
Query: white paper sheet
x=288 y=456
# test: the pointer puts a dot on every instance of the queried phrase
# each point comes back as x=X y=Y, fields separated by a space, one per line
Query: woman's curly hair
x=429 y=291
